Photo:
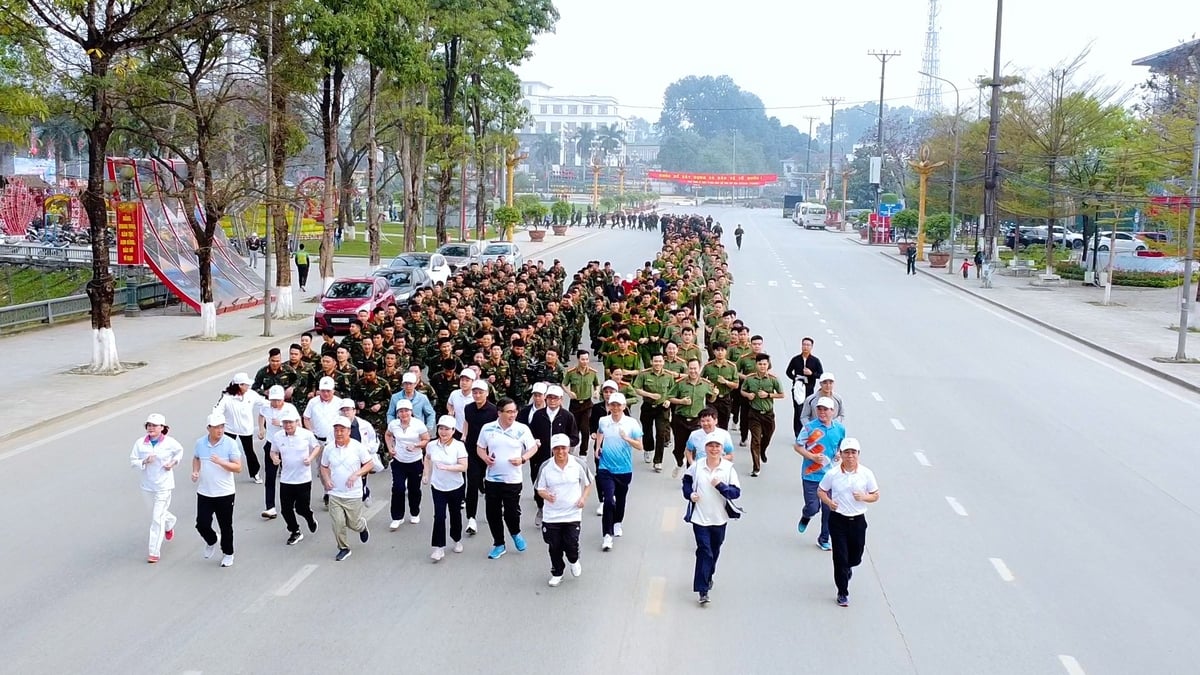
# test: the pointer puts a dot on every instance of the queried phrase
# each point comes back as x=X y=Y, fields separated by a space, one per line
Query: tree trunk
x=444 y=194
x=279 y=108
x=331 y=115
x=481 y=199
x=413 y=145
x=101 y=289
x=372 y=169
x=208 y=311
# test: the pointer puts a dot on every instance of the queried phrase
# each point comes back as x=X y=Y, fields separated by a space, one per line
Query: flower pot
x=537 y=235
x=863 y=232
x=938 y=258
x=904 y=246
x=560 y=230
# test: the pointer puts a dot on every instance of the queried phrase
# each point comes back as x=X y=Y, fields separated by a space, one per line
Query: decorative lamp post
x=596 y=166
x=621 y=174
x=510 y=164
x=924 y=168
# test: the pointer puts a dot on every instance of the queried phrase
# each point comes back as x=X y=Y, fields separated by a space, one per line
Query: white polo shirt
x=216 y=481
x=343 y=462
x=459 y=402
x=407 y=438
x=273 y=415
x=440 y=479
x=503 y=445
x=321 y=415
x=567 y=484
x=841 y=487
x=292 y=451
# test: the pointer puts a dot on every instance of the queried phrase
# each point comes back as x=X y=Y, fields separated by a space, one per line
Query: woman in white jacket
x=709 y=485
x=239 y=404
x=155 y=454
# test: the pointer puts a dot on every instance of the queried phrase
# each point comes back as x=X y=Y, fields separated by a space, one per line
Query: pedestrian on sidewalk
x=301 y=257
x=445 y=465
x=563 y=485
x=344 y=462
x=239 y=406
x=215 y=460
x=252 y=246
x=978 y=264
x=709 y=485
x=846 y=490
x=270 y=421
x=505 y=445
x=155 y=454
x=293 y=450
x=966 y=265
x=910 y=257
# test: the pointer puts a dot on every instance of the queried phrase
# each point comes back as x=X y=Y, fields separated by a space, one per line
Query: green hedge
x=1129 y=278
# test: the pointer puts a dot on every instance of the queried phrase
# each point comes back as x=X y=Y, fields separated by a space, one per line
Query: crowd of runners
x=456 y=393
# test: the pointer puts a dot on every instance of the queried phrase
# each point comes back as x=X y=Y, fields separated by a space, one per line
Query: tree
x=611 y=139
x=90 y=44
x=61 y=136
x=545 y=151
x=22 y=68
x=583 y=144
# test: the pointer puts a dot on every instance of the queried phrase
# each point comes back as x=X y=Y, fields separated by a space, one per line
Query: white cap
x=617 y=398
x=609 y=384
x=826 y=402
x=714 y=437
x=346 y=403
x=481 y=385
x=155 y=418
x=242 y=378
x=560 y=441
x=554 y=390
x=850 y=444
x=289 y=415
x=327 y=384
x=216 y=420
x=447 y=421
x=341 y=421
x=825 y=376
x=404 y=404
x=275 y=393
x=467 y=372
x=408 y=377
x=629 y=277
x=540 y=388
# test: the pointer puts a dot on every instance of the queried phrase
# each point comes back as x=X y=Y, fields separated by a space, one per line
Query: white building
x=565 y=116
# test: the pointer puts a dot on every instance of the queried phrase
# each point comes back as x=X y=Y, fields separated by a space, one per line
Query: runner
x=156 y=455
x=444 y=465
x=293 y=450
x=239 y=406
x=406 y=439
x=709 y=485
x=344 y=462
x=270 y=421
x=563 y=486
x=505 y=445
x=617 y=438
x=845 y=491
x=215 y=459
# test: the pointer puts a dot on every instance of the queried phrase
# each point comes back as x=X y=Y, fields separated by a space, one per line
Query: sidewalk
x=1137 y=328
x=40 y=361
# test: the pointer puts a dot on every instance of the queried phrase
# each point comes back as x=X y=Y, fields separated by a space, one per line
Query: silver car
x=461 y=253
x=509 y=251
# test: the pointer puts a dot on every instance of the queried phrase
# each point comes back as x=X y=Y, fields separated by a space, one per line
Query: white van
x=809 y=216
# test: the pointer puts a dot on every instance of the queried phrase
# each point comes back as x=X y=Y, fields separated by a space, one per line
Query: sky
x=793 y=54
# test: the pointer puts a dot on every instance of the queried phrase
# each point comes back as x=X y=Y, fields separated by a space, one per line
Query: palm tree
x=545 y=150
x=63 y=134
x=583 y=143
x=611 y=138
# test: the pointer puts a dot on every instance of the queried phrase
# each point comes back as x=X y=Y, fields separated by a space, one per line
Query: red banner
x=718 y=179
x=129 y=233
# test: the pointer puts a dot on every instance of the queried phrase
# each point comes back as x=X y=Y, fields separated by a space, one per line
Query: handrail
x=51 y=311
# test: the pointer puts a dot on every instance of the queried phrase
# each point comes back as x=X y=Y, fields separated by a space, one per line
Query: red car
x=341 y=303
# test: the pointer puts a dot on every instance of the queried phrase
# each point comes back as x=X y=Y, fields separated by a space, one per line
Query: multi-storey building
x=566 y=116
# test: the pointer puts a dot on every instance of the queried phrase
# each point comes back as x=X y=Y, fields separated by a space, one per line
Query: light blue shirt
x=422 y=408
x=695 y=443
x=816 y=437
x=616 y=455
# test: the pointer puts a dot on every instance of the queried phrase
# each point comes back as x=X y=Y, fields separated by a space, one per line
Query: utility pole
x=991 y=174
x=883 y=55
x=269 y=67
x=832 y=101
x=808 y=151
x=1185 y=298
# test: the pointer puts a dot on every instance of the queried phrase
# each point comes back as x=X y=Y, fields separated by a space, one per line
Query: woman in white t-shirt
x=708 y=485
x=155 y=454
x=239 y=405
x=445 y=464
x=406 y=439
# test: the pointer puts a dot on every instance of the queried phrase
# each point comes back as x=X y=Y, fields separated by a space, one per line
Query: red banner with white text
x=715 y=179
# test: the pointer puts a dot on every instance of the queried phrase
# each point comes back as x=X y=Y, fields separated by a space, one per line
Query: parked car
x=1126 y=241
x=461 y=253
x=404 y=282
x=509 y=251
x=1062 y=237
x=434 y=264
x=339 y=305
x=1028 y=236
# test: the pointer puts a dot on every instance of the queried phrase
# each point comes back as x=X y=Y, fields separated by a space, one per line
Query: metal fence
x=49 y=311
x=40 y=254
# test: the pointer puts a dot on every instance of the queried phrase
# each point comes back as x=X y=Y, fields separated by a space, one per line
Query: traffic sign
x=890 y=209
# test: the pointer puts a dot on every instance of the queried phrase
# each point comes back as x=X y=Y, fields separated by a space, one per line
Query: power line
x=776 y=107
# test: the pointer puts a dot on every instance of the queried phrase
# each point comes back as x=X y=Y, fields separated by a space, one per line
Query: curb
x=1145 y=367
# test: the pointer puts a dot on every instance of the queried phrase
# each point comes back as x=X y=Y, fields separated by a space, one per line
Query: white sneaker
x=209 y=550
x=472 y=528
x=438 y=554
x=646 y=457
x=227 y=561
x=600 y=510
x=537 y=520
x=257 y=479
x=675 y=472
x=658 y=468
x=554 y=581
x=414 y=519
x=395 y=525
x=607 y=545
x=270 y=514
x=576 y=568
x=458 y=547
x=617 y=530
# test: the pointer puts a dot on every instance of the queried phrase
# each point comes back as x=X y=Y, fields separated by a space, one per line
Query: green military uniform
x=678 y=367
x=265 y=379
x=497 y=374
x=542 y=372
x=761 y=415
x=443 y=385
x=655 y=414
x=690 y=352
x=370 y=394
x=714 y=371
x=685 y=417
x=625 y=359
x=519 y=386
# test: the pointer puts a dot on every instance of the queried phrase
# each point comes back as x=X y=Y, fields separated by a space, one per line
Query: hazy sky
x=791 y=54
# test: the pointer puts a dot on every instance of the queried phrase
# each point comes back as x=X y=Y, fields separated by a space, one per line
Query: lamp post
x=846 y=173
x=596 y=166
x=510 y=165
x=953 y=171
x=621 y=174
x=924 y=168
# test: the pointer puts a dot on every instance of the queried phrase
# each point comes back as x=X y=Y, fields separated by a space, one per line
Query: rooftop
x=1173 y=59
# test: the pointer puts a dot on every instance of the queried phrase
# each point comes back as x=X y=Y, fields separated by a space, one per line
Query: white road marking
x=797 y=284
x=958 y=508
x=1002 y=569
x=921 y=458
x=861 y=375
x=772 y=283
x=375 y=508
x=938 y=291
x=751 y=283
x=817 y=284
x=824 y=321
x=837 y=343
x=654 y=598
x=811 y=305
x=829 y=330
x=816 y=313
x=671 y=518
x=849 y=358
x=1070 y=665
x=297 y=579
x=896 y=423
x=875 y=395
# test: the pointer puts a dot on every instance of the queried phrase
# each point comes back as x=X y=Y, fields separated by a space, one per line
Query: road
x=1034 y=519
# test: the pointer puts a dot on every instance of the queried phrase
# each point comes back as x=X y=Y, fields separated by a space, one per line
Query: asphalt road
x=1035 y=518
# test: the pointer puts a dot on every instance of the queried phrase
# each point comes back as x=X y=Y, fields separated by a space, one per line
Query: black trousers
x=294 y=499
x=797 y=425
x=302 y=273
x=563 y=539
x=270 y=473
x=656 y=429
x=848 y=536
x=247 y=442
x=446 y=504
x=724 y=407
x=613 y=488
x=406 y=479
x=681 y=428
x=535 y=465
x=582 y=412
x=743 y=415
x=503 y=504
x=222 y=508
x=476 y=470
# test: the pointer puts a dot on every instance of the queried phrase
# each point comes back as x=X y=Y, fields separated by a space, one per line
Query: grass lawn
x=20 y=285
x=390 y=245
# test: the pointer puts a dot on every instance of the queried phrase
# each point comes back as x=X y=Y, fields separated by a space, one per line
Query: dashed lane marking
x=1002 y=569
x=875 y=395
x=861 y=375
x=671 y=518
x=849 y=358
x=955 y=506
x=817 y=284
x=837 y=343
x=921 y=458
x=772 y=283
x=896 y=423
x=1070 y=665
x=294 y=583
x=655 y=595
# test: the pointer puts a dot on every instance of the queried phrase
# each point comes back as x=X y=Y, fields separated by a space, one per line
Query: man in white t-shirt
x=563 y=484
x=696 y=441
x=294 y=450
x=344 y=462
x=322 y=410
x=215 y=460
x=505 y=445
x=270 y=414
x=847 y=489
x=459 y=399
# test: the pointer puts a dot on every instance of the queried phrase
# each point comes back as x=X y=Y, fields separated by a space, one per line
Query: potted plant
x=904 y=223
x=533 y=212
x=937 y=229
x=506 y=218
x=561 y=212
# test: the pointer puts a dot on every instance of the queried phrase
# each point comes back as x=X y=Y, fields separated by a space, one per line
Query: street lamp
x=953 y=171
x=596 y=165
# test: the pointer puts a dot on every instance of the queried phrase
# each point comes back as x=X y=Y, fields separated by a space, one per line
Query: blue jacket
x=422 y=409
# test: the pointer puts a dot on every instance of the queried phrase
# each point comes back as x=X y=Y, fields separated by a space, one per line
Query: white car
x=509 y=251
x=434 y=264
x=1126 y=241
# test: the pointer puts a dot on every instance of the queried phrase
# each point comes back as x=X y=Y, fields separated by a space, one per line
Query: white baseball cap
x=346 y=403
x=409 y=377
x=327 y=384
x=825 y=377
x=554 y=390
x=714 y=437
x=341 y=421
x=216 y=420
x=617 y=398
x=155 y=418
x=540 y=388
x=467 y=372
x=404 y=404
x=275 y=393
x=560 y=441
x=290 y=415
x=242 y=378
x=609 y=384
x=826 y=402
x=851 y=444
x=481 y=385
x=447 y=421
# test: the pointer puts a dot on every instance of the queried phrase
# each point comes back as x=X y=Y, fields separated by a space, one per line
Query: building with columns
x=566 y=116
